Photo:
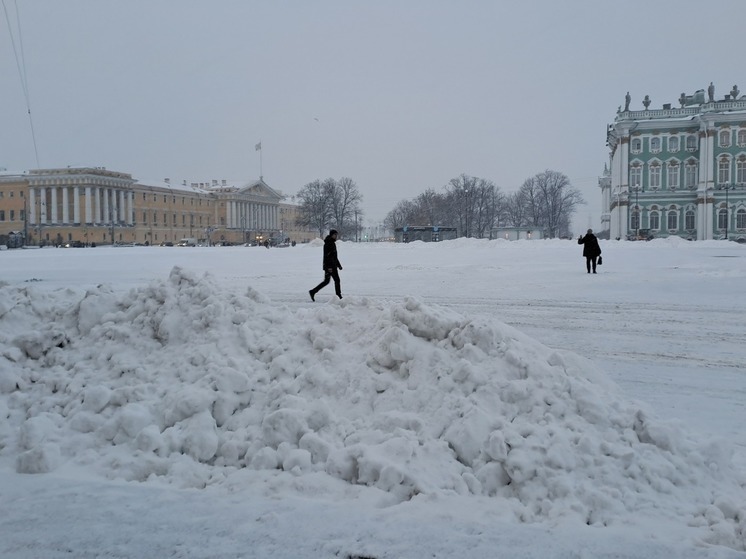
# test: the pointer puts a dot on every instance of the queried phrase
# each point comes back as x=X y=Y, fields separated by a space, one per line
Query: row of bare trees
x=476 y=206
x=331 y=204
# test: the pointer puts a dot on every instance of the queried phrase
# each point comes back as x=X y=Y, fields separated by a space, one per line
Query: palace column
x=53 y=209
x=32 y=205
x=65 y=205
x=76 y=205
x=88 y=206
x=43 y=205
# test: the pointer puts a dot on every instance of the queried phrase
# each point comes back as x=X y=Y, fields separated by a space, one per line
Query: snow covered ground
x=465 y=399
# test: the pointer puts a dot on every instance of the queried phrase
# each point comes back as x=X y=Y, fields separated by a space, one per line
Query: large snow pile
x=189 y=383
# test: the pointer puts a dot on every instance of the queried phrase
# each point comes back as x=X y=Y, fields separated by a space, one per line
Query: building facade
x=98 y=206
x=677 y=171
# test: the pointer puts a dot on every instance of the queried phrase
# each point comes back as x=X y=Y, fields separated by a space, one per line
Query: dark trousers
x=591 y=261
x=332 y=273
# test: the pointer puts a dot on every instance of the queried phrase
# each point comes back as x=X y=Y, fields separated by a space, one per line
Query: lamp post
x=727 y=188
x=637 y=211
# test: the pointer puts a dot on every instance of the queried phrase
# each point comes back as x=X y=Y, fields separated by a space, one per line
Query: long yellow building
x=93 y=205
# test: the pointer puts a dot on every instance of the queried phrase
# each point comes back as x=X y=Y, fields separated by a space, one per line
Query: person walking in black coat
x=331 y=265
x=591 y=250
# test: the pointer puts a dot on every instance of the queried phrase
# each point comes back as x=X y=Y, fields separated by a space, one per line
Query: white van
x=190 y=242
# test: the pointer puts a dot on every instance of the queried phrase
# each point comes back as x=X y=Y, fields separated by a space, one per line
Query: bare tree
x=549 y=201
x=330 y=204
x=475 y=203
x=401 y=215
x=346 y=210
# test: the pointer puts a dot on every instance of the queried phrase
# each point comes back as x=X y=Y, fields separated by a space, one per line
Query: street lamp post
x=727 y=188
x=637 y=212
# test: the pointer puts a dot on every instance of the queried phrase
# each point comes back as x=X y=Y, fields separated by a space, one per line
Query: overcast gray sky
x=399 y=95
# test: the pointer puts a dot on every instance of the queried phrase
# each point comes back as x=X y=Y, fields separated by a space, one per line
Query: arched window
x=636 y=145
x=741 y=170
x=673 y=219
x=673 y=143
x=724 y=138
x=655 y=144
x=635 y=220
x=742 y=138
x=741 y=219
x=691 y=143
x=724 y=170
x=673 y=175
x=655 y=221
x=722 y=218
x=689 y=220
x=655 y=175
x=635 y=175
x=691 y=174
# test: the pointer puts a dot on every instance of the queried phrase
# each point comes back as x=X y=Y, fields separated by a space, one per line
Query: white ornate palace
x=677 y=171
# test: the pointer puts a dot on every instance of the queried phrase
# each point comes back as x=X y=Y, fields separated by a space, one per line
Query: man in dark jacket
x=591 y=250
x=331 y=265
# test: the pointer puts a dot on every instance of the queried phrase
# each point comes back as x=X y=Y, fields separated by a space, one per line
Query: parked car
x=74 y=244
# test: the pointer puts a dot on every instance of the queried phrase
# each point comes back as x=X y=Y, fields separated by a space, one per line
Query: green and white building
x=677 y=171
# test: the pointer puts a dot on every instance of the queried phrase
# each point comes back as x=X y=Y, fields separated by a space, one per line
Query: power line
x=21 y=65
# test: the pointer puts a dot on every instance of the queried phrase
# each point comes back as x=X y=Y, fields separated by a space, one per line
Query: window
x=724 y=137
x=691 y=143
x=655 y=222
x=636 y=145
x=145 y=217
x=635 y=221
x=673 y=143
x=673 y=219
x=174 y=221
x=722 y=218
x=143 y=196
x=2 y=215
x=741 y=170
x=724 y=170
x=741 y=219
x=673 y=176
x=2 y=193
x=164 y=198
x=691 y=175
x=655 y=145
x=689 y=220
x=742 y=138
x=655 y=176
x=155 y=218
x=12 y=215
x=635 y=175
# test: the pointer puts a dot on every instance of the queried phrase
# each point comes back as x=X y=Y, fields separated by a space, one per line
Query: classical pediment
x=260 y=189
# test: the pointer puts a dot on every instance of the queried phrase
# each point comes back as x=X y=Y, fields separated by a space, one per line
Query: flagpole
x=258 y=148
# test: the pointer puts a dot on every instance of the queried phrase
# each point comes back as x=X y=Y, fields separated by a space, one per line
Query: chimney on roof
x=214 y=182
x=183 y=183
x=167 y=180
x=225 y=182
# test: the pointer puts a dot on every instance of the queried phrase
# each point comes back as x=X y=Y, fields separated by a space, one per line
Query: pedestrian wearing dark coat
x=331 y=265
x=591 y=250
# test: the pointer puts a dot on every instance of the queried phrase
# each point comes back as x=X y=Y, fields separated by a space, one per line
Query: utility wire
x=21 y=65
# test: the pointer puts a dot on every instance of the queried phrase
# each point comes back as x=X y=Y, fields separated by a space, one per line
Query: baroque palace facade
x=677 y=171
x=94 y=205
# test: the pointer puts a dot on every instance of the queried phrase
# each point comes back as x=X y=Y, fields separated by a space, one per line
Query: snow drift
x=189 y=383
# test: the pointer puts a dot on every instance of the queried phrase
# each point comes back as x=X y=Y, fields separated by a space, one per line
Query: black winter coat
x=590 y=244
x=330 y=254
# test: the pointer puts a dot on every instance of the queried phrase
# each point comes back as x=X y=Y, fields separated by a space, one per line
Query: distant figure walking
x=331 y=265
x=591 y=250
